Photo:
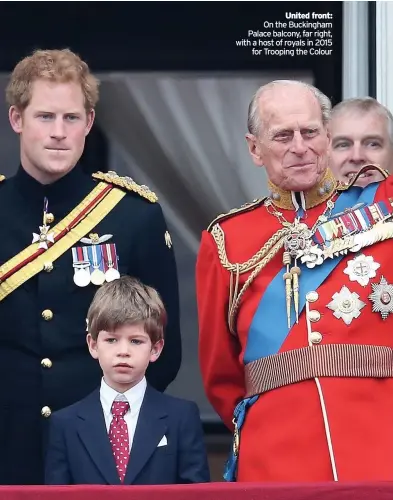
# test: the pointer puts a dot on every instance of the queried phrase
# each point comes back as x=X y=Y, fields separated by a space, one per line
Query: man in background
x=362 y=132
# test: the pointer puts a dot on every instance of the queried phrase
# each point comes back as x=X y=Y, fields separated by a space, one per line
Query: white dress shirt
x=134 y=396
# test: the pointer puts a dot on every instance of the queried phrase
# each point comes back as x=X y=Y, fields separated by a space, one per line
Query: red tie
x=118 y=437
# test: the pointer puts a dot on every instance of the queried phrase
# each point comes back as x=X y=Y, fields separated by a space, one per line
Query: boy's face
x=124 y=355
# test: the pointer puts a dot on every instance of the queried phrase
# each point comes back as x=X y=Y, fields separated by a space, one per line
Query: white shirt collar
x=134 y=396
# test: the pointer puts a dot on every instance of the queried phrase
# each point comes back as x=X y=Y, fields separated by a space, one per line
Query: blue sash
x=269 y=326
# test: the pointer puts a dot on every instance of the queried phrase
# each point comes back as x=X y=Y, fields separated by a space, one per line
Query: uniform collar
x=311 y=198
x=69 y=187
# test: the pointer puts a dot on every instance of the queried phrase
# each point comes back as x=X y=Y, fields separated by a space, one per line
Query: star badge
x=382 y=298
x=44 y=237
x=346 y=305
x=361 y=269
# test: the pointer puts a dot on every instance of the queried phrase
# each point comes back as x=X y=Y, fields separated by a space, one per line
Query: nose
x=357 y=155
x=298 y=145
x=58 y=129
x=123 y=349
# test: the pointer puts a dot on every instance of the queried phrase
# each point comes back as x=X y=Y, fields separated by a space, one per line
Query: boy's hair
x=61 y=66
x=127 y=301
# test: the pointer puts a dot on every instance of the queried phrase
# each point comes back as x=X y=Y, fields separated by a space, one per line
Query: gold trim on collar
x=315 y=196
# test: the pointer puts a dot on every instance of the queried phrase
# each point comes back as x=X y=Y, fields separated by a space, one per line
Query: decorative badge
x=361 y=269
x=168 y=239
x=45 y=236
x=346 y=305
x=382 y=298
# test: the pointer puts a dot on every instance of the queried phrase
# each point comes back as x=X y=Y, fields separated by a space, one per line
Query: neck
x=292 y=200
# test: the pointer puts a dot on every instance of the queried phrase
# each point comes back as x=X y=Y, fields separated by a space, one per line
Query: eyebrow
x=275 y=131
x=366 y=138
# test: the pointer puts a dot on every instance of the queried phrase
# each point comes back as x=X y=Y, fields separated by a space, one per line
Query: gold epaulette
x=244 y=208
x=126 y=183
x=2 y=178
x=365 y=168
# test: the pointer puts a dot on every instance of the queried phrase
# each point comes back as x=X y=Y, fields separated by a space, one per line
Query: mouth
x=364 y=175
x=122 y=365
x=56 y=149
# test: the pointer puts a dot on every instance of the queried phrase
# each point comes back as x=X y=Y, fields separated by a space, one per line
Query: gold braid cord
x=255 y=264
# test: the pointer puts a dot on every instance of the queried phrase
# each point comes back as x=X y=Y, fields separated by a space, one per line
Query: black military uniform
x=44 y=361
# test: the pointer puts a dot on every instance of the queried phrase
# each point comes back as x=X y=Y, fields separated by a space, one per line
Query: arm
x=155 y=266
x=56 y=462
x=219 y=350
x=192 y=463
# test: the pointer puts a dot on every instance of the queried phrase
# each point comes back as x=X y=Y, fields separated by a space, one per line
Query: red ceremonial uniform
x=288 y=431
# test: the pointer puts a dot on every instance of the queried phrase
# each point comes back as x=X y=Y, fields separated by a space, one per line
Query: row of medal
x=95 y=264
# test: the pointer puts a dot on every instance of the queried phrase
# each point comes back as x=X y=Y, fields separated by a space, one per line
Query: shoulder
x=127 y=184
x=236 y=212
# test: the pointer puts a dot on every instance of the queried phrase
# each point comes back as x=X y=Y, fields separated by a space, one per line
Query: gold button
x=312 y=296
x=46 y=411
x=315 y=337
x=48 y=267
x=314 y=316
x=47 y=314
x=50 y=218
x=46 y=363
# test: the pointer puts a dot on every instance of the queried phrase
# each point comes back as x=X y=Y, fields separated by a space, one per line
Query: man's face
x=357 y=139
x=52 y=129
x=293 y=142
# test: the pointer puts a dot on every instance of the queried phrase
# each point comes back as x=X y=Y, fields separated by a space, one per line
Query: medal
x=97 y=276
x=45 y=236
x=346 y=305
x=110 y=258
x=81 y=277
x=81 y=266
x=361 y=269
x=382 y=298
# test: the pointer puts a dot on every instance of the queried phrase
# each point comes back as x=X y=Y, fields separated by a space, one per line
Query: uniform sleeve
x=154 y=264
x=219 y=350
x=57 y=469
x=192 y=463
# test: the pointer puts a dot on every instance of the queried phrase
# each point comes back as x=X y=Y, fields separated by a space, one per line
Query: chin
x=303 y=182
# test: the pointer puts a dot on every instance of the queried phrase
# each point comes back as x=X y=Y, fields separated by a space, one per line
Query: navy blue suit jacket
x=79 y=451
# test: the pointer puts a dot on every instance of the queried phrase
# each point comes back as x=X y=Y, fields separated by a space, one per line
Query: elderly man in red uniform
x=295 y=303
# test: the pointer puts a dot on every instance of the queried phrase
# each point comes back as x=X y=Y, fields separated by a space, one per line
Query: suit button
x=315 y=337
x=50 y=218
x=46 y=363
x=47 y=314
x=46 y=411
x=48 y=267
x=314 y=316
x=312 y=296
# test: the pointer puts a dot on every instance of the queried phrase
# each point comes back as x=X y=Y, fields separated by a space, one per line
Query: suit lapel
x=151 y=427
x=92 y=432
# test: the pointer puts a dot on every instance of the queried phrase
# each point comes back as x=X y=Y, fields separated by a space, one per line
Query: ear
x=156 y=350
x=254 y=149
x=90 y=120
x=92 y=344
x=16 y=119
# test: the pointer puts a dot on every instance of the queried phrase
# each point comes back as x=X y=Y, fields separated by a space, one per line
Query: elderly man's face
x=358 y=139
x=293 y=142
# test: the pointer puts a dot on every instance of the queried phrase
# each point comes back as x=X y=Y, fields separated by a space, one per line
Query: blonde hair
x=53 y=65
x=126 y=301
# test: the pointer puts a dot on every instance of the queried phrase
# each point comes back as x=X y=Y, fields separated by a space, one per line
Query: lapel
x=150 y=428
x=92 y=432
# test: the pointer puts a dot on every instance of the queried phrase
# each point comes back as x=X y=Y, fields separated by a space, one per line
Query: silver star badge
x=346 y=305
x=44 y=237
x=361 y=269
x=382 y=298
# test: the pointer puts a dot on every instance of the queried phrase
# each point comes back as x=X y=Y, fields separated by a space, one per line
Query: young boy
x=126 y=432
